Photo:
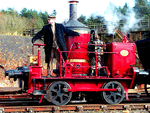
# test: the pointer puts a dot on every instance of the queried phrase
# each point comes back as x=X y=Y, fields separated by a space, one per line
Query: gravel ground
x=14 y=52
x=18 y=47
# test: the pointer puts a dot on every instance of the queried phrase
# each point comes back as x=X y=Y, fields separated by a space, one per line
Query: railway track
x=22 y=103
x=30 y=105
x=78 y=108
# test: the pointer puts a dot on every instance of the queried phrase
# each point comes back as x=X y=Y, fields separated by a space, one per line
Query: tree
x=82 y=19
x=24 y=12
x=90 y=20
x=99 y=19
x=10 y=11
x=40 y=23
x=29 y=14
x=142 y=8
x=124 y=9
x=44 y=17
x=35 y=19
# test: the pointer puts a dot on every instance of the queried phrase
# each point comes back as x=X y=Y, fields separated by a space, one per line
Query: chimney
x=73 y=23
x=73 y=9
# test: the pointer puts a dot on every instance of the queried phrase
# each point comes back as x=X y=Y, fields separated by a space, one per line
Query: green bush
x=13 y=23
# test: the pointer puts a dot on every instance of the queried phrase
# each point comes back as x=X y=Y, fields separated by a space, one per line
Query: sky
x=85 y=7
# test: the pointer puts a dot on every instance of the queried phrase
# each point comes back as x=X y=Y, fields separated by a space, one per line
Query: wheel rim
x=58 y=94
x=113 y=97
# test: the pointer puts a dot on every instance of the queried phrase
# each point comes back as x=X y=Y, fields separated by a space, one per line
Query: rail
x=21 y=103
x=77 y=108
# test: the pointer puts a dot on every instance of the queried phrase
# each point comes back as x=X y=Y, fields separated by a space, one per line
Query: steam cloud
x=112 y=18
x=131 y=20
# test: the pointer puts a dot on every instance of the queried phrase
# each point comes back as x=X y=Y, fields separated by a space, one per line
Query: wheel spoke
x=59 y=87
x=118 y=94
x=55 y=97
x=113 y=86
x=114 y=97
x=66 y=95
x=61 y=99
x=108 y=96
x=54 y=90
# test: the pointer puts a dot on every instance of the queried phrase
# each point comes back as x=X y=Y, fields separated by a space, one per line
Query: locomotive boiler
x=76 y=45
x=91 y=66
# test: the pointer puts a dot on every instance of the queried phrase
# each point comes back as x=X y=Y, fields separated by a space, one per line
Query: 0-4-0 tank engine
x=91 y=66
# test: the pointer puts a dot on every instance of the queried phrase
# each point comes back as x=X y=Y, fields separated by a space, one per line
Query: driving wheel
x=113 y=97
x=57 y=93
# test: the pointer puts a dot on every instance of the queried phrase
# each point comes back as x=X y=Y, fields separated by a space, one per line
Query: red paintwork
x=125 y=40
x=41 y=99
x=91 y=90
x=39 y=52
x=118 y=64
x=93 y=85
x=73 y=2
x=133 y=77
x=35 y=71
x=78 y=49
x=68 y=69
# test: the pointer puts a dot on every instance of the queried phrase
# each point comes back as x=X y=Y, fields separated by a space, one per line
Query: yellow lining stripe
x=77 y=60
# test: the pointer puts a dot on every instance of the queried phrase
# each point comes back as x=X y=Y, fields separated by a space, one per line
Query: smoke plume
x=131 y=21
x=113 y=17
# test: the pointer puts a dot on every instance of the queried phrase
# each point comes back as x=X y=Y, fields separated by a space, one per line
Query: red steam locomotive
x=91 y=66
